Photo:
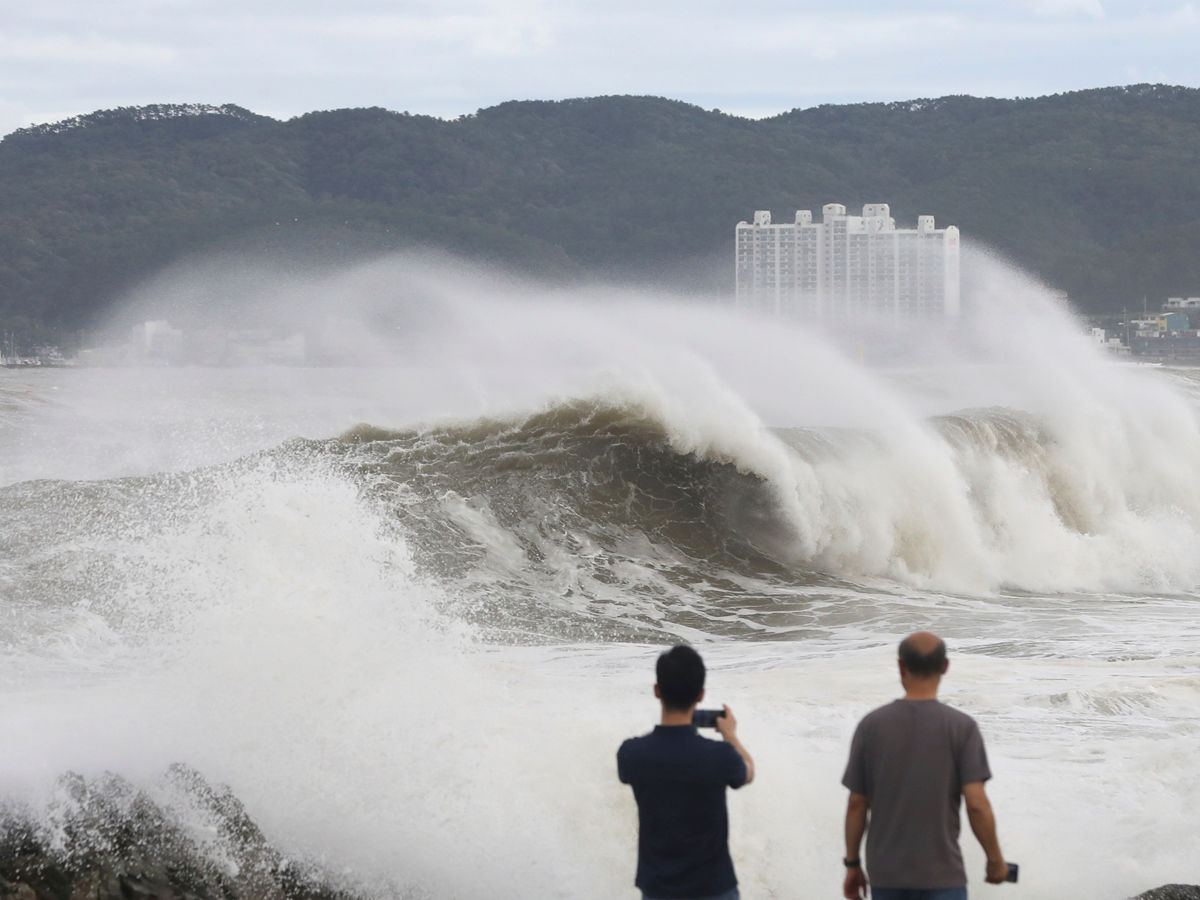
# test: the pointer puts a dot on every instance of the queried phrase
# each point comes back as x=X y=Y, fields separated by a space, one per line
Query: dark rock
x=106 y=840
x=1172 y=892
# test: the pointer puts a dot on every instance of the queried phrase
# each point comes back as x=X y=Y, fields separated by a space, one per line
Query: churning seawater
x=408 y=611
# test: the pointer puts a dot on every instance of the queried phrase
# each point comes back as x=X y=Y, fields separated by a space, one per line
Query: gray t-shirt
x=911 y=759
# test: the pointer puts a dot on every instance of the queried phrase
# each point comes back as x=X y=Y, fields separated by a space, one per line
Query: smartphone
x=706 y=718
x=1013 y=868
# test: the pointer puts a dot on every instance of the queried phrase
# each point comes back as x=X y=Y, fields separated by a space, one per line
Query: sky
x=282 y=58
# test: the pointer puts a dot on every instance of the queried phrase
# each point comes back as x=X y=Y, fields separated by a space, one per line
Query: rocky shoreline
x=105 y=839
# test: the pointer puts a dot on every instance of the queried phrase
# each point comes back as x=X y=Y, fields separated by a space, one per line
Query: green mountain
x=1095 y=192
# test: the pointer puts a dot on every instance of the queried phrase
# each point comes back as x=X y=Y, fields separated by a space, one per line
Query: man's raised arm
x=727 y=726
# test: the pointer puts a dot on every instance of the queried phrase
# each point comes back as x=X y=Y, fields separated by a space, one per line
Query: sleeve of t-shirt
x=735 y=768
x=623 y=772
x=973 y=761
x=855 y=777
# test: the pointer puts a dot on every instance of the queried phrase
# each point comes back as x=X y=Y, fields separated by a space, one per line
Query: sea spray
x=412 y=647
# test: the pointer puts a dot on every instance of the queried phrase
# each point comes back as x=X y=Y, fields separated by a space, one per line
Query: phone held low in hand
x=1013 y=868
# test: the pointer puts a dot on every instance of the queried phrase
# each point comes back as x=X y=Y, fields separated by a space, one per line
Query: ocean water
x=408 y=610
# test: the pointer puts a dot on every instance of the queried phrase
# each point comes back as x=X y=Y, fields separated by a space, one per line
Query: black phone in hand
x=707 y=718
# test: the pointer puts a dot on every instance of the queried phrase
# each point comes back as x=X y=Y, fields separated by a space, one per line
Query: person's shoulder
x=885 y=709
x=720 y=760
x=881 y=712
x=719 y=748
x=632 y=756
x=960 y=723
x=633 y=744
x=956 y=715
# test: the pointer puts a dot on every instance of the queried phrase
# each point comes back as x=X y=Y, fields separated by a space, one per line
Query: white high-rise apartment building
x=847 y=268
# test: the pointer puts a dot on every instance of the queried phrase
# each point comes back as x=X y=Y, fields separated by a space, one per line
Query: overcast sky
x=59 y=58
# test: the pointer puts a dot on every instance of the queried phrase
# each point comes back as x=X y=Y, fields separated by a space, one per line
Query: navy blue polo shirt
x=679 y=780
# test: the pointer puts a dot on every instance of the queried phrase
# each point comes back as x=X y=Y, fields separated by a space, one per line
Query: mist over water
x=408 y=609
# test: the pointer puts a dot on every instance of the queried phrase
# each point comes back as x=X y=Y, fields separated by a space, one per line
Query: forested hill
x=1096 y=192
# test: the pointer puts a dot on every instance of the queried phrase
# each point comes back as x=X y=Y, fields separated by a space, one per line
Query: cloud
x=1056 y=8
x=95 y=50
x=1186 y=16
x=482 y=32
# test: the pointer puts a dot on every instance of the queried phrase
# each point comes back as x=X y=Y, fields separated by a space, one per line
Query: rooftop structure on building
x=846 y=269
x=1182 y=303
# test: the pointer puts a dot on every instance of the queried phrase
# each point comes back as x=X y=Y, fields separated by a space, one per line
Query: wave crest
x=590 y=489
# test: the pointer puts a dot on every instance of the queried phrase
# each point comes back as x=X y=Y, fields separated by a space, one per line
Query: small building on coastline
x=1182 y=303
x=1167 y=323
x=1167 y=336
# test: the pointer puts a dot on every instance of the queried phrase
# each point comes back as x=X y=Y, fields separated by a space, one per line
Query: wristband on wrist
x=852 y=863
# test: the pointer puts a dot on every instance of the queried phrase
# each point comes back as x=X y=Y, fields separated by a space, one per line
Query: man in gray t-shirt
x=910 y=763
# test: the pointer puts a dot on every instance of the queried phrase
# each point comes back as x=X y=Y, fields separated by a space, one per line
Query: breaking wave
x=599 y=503
x=616 y=516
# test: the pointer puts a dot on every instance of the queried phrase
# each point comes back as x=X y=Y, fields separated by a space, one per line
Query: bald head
x=923 y=654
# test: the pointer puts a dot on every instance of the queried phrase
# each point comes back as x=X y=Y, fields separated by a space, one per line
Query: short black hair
x=680 y=672
x=918 y=663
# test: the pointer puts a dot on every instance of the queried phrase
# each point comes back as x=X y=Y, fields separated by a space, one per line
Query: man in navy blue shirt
x=679 y=780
